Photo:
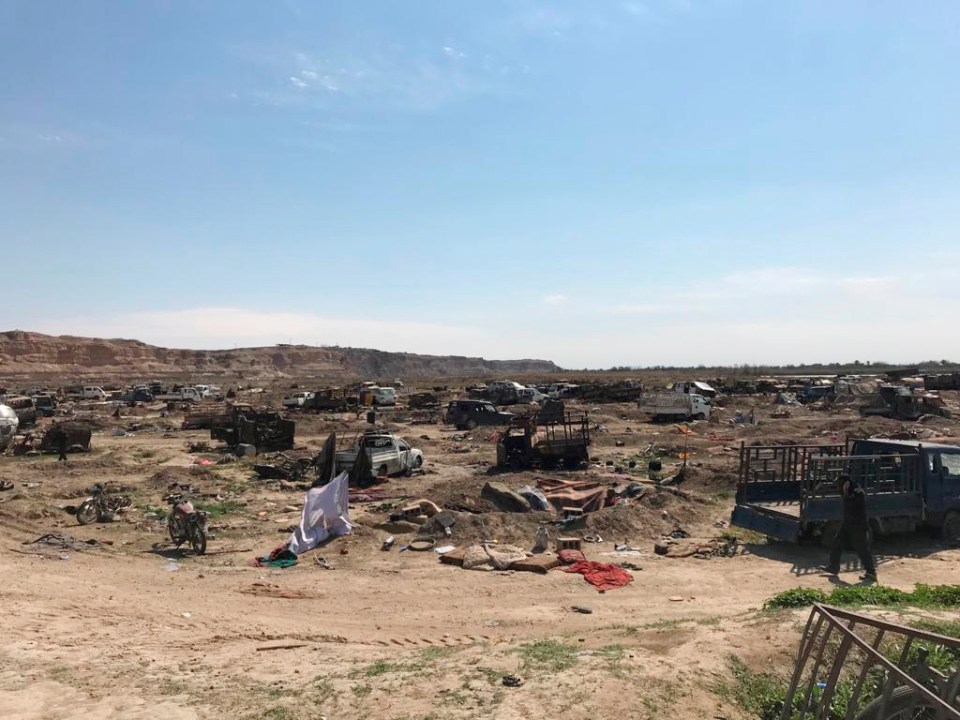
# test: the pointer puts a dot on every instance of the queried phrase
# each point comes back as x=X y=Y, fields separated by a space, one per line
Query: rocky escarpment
x=25 y=354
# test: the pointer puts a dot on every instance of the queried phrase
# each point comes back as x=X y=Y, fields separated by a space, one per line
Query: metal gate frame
x=832 y=631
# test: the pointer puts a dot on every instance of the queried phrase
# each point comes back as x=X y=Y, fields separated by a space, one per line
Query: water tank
x=8 y=425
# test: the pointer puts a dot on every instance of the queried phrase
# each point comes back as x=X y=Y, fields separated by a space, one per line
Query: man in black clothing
x=62 y=445
x=854 y=530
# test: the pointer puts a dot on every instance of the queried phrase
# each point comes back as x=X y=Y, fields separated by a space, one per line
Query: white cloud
x=309 y=74
x=297 y=82
x=452 y=52
x=555 y=300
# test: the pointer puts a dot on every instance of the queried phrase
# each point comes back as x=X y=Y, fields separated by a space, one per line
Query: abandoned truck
x=790 y=492
x=545 y=443
x=675 y=406
x=242 y=425
x=333 y=399
x=468 y=414
x=389 y=454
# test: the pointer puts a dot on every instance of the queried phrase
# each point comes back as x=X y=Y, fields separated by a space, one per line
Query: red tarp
x=603 y=576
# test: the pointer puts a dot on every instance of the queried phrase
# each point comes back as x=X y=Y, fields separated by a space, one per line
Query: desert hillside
x=25 y=354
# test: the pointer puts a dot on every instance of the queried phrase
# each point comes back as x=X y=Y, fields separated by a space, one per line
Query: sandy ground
x=137 y=629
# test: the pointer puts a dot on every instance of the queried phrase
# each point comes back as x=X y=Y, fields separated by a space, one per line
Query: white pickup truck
x=388 y=453
x=675 y=406
x=184 y=394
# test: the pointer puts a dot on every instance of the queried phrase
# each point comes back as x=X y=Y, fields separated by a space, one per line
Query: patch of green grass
x=172 y=687
x=453 y=697
x=323 y=689
x=950 y=628
x=381 y=667
x=761 y=694
x=614 y=655
x=278 y=712
x=361 y=691
x=548 y=656
x=219 y=509
x=493 y=677
x=742 y=535
x=926 y=596
x=433 y=654
x=61 y=673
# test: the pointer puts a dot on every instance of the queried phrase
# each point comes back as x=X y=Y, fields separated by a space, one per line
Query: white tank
x=8 y=425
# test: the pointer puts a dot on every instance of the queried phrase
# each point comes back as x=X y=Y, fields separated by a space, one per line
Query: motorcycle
x=186 y=524
x=100 y=506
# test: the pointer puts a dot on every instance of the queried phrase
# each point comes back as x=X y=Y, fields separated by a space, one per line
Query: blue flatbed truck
x=789 y=492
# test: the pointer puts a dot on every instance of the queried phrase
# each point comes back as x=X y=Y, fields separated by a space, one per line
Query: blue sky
x=596 y=183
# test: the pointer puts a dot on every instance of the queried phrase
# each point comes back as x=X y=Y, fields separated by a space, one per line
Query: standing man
x=62 y=445
x=854 y=529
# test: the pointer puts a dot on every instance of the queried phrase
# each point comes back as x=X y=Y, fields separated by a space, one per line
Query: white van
x=93 y=392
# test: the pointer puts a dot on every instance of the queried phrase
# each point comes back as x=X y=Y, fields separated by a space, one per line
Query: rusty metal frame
x=828 y=624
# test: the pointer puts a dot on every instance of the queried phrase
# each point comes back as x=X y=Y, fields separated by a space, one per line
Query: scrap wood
x=690 y=547
x=454 y=557
x=538 y=564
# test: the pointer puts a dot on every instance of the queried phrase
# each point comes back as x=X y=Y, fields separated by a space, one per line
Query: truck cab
x=389 y=454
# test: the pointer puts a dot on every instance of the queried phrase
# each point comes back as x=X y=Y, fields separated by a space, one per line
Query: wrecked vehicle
x=334 y=399
x=209 y=416
x=24 y=408
x=78 y=437
x=545 y=443
x=9 y=422
x=902 y=403
x=266 y=431
x=387 y=453
x=46 y=405
x=297 y=400
x=468 y=414
x=790 y=492
x=283 y=467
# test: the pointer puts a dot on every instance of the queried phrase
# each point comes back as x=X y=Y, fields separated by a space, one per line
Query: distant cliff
x=26 y=354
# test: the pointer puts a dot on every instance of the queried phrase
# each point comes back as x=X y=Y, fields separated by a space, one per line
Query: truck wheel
x=699 y=416
x=471 y=424
x=950 y=527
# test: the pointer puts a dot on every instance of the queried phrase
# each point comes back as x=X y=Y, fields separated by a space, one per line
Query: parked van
x=90 y=392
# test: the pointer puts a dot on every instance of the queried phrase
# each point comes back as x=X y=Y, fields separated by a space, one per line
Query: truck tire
x=950 y=527
x=699 y=416
x=902 y=705
x=470 y=424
